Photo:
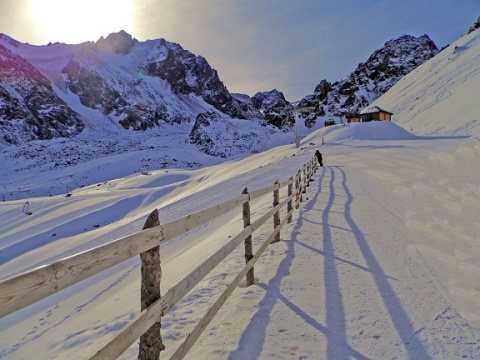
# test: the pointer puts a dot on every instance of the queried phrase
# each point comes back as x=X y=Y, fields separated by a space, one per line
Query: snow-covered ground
x=381 y=260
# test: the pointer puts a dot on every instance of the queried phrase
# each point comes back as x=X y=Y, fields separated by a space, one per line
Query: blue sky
x=255 y=45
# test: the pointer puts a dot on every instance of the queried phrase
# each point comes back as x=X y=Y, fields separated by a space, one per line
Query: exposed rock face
x=200 y=137
x=93 y=90
x=29 y=108
x=187 y=74
x=383 y=69
x=275 y=109
x=475 y=26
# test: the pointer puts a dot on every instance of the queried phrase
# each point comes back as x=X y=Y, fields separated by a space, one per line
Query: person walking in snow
x=318 y=154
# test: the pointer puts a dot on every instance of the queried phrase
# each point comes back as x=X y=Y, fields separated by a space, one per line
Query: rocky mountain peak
x=475 y=26
x=187 y=73
x=268 y=99
x=274 y=107
x=120 y=42
x=29 y=108
x=7 y=39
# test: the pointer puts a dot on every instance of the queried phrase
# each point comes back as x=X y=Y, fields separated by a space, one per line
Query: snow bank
x=375 y=130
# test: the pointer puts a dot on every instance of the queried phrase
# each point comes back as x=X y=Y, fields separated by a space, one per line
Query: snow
x=441 y=95
x=380 y=261
x=373 y=109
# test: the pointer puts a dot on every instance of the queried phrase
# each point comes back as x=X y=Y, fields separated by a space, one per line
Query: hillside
x=441 y=96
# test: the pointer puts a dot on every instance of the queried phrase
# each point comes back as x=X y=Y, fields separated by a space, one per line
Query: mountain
x=137 y=85
x=29 y=107
x=383 y=69
x=274 y=107
x=440 y=97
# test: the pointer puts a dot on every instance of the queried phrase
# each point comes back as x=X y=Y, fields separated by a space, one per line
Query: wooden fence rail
x=32 y=286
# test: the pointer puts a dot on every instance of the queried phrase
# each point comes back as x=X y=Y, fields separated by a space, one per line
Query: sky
x=255 y=45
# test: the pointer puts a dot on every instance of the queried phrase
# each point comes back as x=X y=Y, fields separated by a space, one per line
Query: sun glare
x=77 y=21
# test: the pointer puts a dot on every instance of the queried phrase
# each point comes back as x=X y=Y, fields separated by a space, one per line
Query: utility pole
x=296 y=110
x=297 y=133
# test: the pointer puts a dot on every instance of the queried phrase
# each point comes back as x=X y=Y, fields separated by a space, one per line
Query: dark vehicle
x=329 y=122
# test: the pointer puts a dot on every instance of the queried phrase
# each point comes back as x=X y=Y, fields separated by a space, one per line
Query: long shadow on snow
x=74 y=225
x=399 y=317
x=254 y=334
x=337 y=347
x=348 y=262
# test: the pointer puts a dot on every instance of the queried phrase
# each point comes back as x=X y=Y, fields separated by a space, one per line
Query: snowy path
x=365 y=283
x=344 y=283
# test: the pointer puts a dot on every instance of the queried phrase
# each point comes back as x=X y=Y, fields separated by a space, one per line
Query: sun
x=76 y=21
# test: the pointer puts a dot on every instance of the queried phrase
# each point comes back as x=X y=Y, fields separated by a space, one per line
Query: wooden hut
x=375 y=113
x=352 y=118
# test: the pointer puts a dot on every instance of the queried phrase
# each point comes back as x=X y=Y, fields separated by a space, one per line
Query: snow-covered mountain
x=137 y=85
x=448 y=84
x=274 y=107
x=383 y=69
x=29 y=107
x=155 y=95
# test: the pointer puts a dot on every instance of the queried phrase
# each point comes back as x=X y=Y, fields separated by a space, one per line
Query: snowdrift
x=374 y=131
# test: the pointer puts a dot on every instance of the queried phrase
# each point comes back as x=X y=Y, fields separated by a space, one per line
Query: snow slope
x=441 y=95
x=381 y=261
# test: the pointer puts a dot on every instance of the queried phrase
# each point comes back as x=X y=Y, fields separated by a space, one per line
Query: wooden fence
x=32 y=286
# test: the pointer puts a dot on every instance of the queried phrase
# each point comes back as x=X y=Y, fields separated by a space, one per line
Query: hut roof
x=374 y=109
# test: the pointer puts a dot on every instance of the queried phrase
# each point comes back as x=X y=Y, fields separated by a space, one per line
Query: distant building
x=352 y=118
x=329 y=122
x=375 y=113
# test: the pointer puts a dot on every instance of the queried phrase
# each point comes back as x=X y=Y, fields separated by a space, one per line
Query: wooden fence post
x=250 y=277
x=304 y=187
x=289 y=204
x=298 y=190
x=276 y=216
x=151 y=341
x=307 y=177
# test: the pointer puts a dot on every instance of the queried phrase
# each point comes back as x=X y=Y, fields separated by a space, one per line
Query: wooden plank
x=32 y=286
x=286 y=183
x=189 y=222
x=25 y=289
x=255 y=194
x=261 y=192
